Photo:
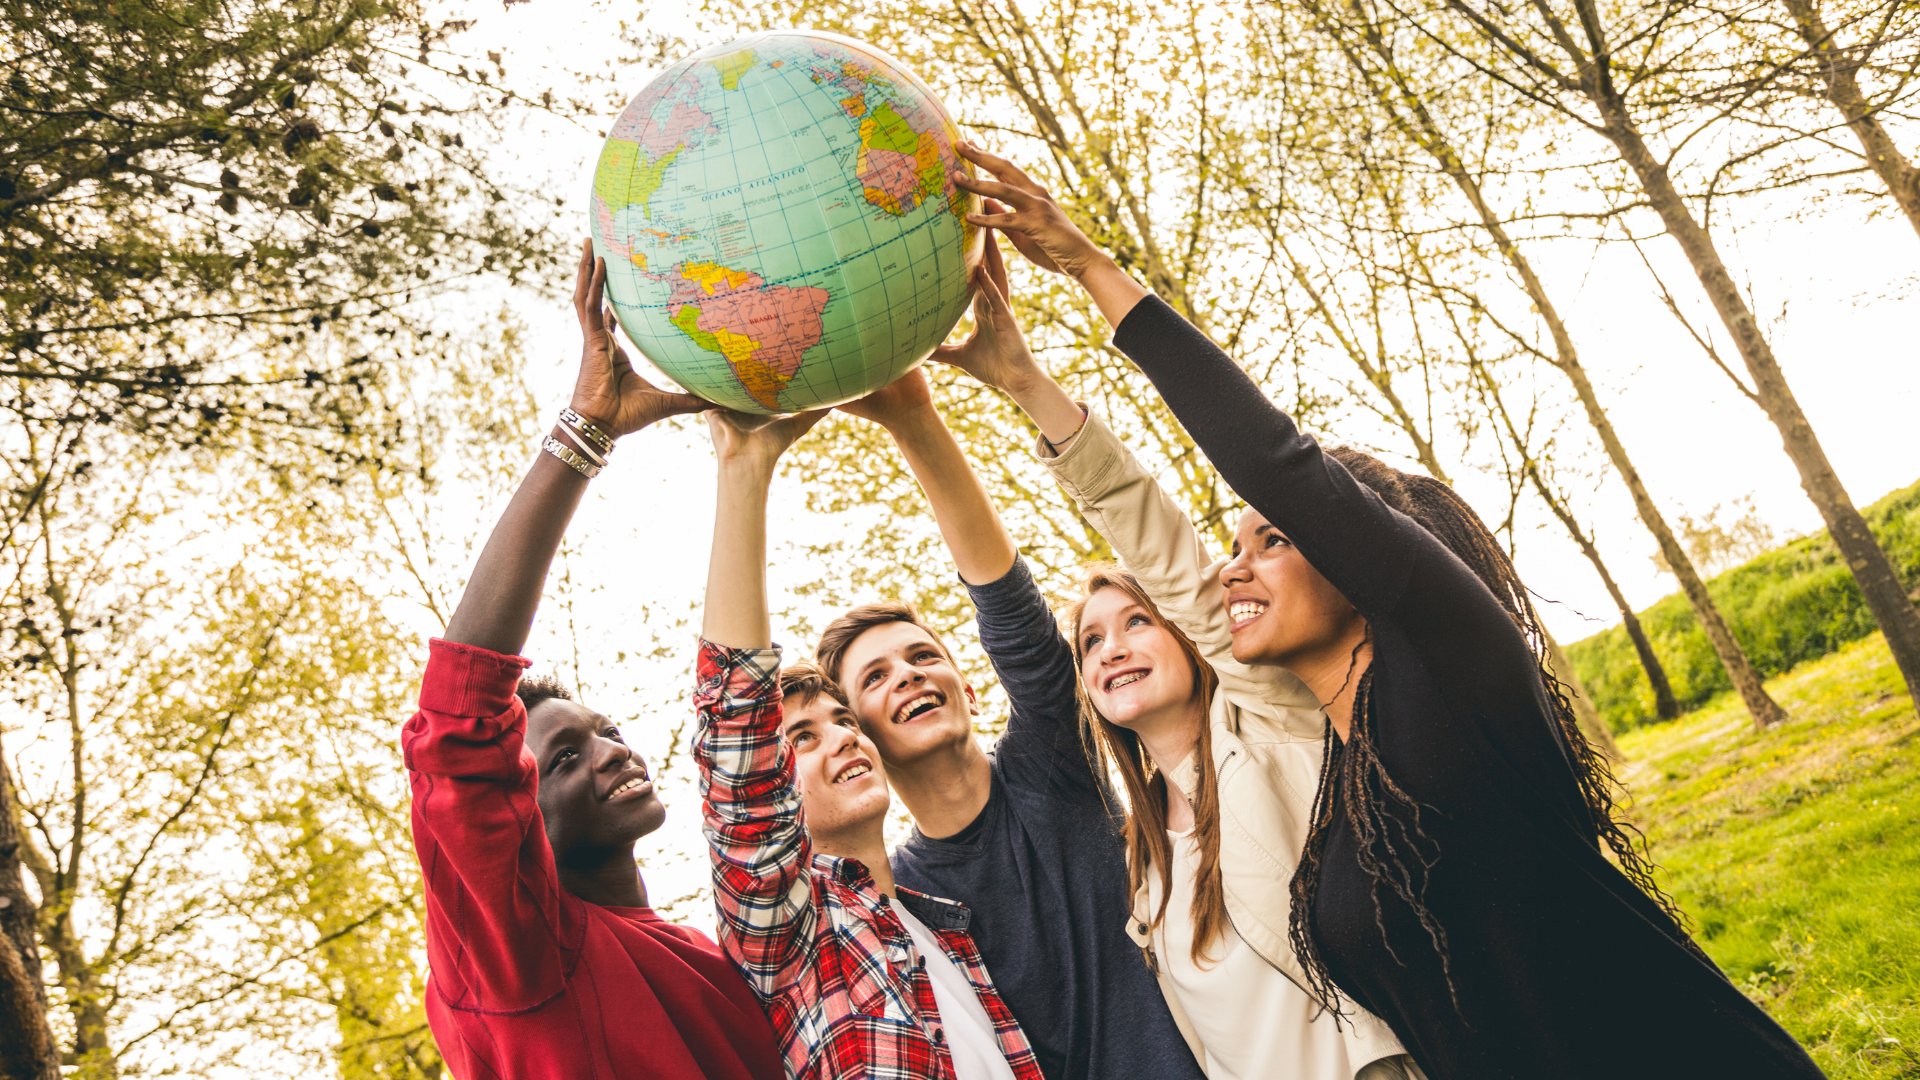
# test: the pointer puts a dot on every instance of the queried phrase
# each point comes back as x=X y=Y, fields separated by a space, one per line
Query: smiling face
x=595 y=793
x=843 y=787
x=1132 y=667
x=905 y=691
x=1283 y=612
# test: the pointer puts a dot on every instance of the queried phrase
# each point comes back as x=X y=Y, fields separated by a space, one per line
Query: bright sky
x=1837 y=292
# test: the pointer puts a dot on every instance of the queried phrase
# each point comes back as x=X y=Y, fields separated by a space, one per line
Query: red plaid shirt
x=840 y=978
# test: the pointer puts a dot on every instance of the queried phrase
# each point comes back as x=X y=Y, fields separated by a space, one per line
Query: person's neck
x=945 y=790
x=868 y=844
x=1170 y=736
x=1333 y=674
x=610 y=880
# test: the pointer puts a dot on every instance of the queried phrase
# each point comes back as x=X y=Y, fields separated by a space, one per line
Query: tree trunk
x=91 y=1052
x=1886 y=597
x=1418 y=123
x=27 y=1050
x=1665 y=706
x=1838 y=68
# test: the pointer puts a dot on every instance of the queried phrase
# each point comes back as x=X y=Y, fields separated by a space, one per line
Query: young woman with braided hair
x=1463 y=877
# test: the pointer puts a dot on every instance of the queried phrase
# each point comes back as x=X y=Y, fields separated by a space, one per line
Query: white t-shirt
x=970 y=1039
x=1253 y=1021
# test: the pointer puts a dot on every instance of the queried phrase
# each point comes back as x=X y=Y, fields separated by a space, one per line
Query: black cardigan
x=1562 y=967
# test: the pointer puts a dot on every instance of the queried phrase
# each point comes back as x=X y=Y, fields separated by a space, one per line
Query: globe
x=780 y=224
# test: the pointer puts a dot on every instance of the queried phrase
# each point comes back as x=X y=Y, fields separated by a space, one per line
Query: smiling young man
x=545 y=960
x=861 y=978
x=1029 y=836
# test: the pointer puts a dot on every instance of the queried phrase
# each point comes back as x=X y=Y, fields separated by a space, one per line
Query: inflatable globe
x=780 y=223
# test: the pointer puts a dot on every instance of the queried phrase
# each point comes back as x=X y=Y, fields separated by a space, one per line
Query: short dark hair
x=535 y=689
x=804 y=681
x=841 y=632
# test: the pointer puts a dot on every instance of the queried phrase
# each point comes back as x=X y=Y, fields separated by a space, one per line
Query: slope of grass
x=1796 y=851
x=1785 y=607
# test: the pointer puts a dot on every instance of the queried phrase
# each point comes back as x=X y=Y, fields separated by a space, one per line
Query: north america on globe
x=780 y=223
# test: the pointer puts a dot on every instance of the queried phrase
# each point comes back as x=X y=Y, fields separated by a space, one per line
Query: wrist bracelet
x=572 y=460
x=585 y=444
x=587 y=428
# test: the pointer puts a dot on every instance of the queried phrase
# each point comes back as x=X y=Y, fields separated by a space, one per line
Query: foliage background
x=264 y=393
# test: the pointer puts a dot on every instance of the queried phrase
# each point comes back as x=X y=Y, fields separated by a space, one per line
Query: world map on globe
x=780 y=224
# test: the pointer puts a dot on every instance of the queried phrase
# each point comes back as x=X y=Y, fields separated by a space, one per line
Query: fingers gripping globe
x=780 y=224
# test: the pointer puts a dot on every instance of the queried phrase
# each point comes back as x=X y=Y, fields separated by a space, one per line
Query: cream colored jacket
x=1267 y=727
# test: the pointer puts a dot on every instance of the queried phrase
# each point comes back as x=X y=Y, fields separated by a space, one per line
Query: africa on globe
x=780 y=224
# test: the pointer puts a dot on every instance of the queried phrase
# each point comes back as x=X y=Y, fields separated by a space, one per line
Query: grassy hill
x=1796 y=851
x=1793 y=604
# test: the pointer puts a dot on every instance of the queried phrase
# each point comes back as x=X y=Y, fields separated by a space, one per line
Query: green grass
x=1796 y=851
x=1788 y=606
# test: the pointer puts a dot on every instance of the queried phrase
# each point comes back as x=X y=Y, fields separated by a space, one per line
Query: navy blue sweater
x=1563 y=968
x=1044 y=867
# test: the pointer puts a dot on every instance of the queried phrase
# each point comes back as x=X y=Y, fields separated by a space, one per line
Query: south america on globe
x=780 y=223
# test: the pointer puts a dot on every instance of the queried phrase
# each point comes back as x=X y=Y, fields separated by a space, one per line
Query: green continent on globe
x=760 y=330
x=627 y=164
x=904 y=157
x=644 y=143
x=780 y=223
x=733 y=65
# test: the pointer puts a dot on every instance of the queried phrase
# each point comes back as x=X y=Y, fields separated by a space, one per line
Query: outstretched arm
x=1152 y=536
x=755 y=834
x=496 y=611
x=982 y=551
x=1383 y=562
x=1017 y=629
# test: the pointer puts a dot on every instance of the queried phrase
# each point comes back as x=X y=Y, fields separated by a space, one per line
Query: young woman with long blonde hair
x=1219 y=759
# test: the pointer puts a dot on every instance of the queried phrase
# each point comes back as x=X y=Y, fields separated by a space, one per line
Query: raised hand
x=995 y=353
x=1030 y=217
x=898 y=403
x=608 y=391
x=754 y=441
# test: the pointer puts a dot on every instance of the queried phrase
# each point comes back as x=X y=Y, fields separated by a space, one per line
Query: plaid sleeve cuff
x=734 y=682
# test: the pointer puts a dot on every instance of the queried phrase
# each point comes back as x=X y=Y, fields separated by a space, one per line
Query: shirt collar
x=936 y=912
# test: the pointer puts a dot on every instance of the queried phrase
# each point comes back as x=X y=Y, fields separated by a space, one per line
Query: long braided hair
x=1394 y=851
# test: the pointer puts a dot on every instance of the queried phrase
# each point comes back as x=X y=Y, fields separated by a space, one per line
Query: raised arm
x=1153 y=538
x=496 y=611
x=969 y=523
x=1383 y=562
x=492 y=894
x=756 y=836
x=1017 y=629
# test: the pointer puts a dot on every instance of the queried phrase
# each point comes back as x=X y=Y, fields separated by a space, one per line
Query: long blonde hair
x=1146 y=831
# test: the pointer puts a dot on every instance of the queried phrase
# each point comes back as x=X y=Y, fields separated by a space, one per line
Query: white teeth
x=852 y=774
x=1242 y=610
x=628 y=786
x=1124 y=680
x=924 y=699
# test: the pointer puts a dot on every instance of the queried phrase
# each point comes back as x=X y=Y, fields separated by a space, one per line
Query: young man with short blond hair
x=1028 y=836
